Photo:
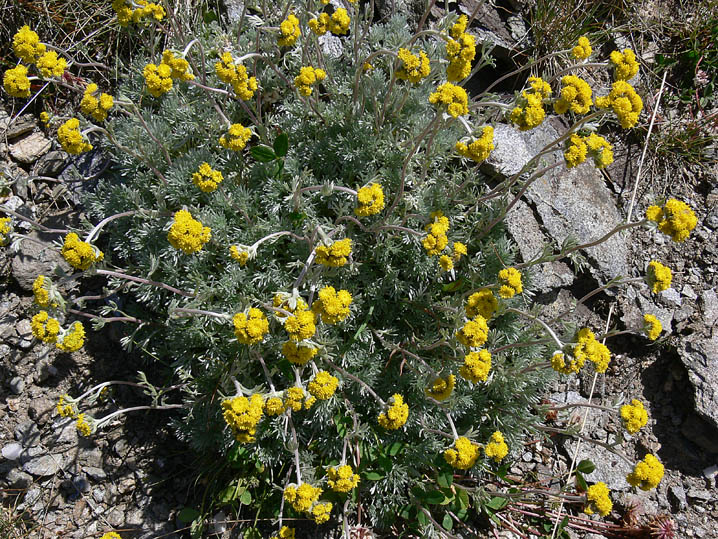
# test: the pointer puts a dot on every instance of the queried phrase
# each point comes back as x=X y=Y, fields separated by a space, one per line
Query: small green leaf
x=463 y=498
x=196 y=528
x=585 y=466
x=188 y=514
x=445 y=479
x=406 y=511
x=395 y=448
x=245 y=498
x=281 y=145
x=581 y=482
x=497 y=503
x=373 y=476
x=434 y=497
x=422 y=518
x=447 y=522
x=228 y=494
x=210 y=16
x=263 y=153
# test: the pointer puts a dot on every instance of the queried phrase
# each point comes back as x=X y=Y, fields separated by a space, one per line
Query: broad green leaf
x=281 y=145
x=263 y=153
x=434 y=497
x=188 y=514
x=422 y=518
x=373 y=476
x=497 y=503
x=585 y=466
x=395 y=448
x=447 y=522
x=245 y=498
x=446 y=478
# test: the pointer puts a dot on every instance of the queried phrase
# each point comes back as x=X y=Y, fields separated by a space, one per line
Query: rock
x=331 y=45
x=44 y=370
x=30 y=148
x=24 y=331
x=689 y=293
x=16 y=478
x=12 y=451
x=34 y=257
x=98 y=474
x=699 y=494
x=42 y=466
x=51 y=164
x=19 y=180
x=98 y=494
x=700 y=432
x=17 y=384
x=572 y=202
x=671 y=298
x=27 y=434
x=41 y=410
x=700 y=357
x=22 y=125
x=610 y=468
x=709 y=305
x=677 y=498
x=81 y=484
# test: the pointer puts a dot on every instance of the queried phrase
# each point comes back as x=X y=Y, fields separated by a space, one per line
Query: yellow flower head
x=80 y=254
x=179 y=66
x=299 y=354
x=323 y=385
x=274 y=406
x=296 y=399
x=588 y=348
x=396 y=414
x=188 y=234
x=290 y=31
x=646 y=474
x=50 y=65
x=73 y=339
x=583 y=50
x=529 y=112
x=476 y=366
x=331 y=305
x=41 y=291
x=71 y=139
x=111 y=535
x=572 y=366
x=599 y=149
x=453 y=97
x=676 y=219
x=460 y=51
x=5 y=228
x=652 y=326
x=658 y=277
x=26 y=45
x=15 y=81
x=482 y=302
x=250 y=328
x=84 y=426
x=206 y=178
x=474 y=332
x=436 y=241
x=370 y=200
x=137 y=11
x=463 y=455
x=496 y=448
x=243 y=85
x=66 y=407
x=307 y=78
x=634 y=416
x=575 y=153
x=302 y=325
x=241 y=256
x=625 y=64
x=236 y=138
x=441 y=388
x=458 y=250
x=479 y=149
x=598 y=500
x=413 y=68
x=446 y=263
x=334 y=255
x=575 y=96
x=94 y=106
x=342 y=478
x=624 y=101
x=158 y=78
x=242 y=415
x=44 y=328
x=510 y=279
x=321 y=511
x=303 y=497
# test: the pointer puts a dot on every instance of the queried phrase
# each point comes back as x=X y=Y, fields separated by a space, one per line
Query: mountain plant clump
x=297 y=208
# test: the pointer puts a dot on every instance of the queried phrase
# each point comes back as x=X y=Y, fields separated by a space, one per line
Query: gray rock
x=27 y=434
x=19 y=180
x=36 y=257
x=42 y=466
x=23 y=329
x=689 y=293
x=98 y=474
x=331 y=45
x=700 y=357
x=699 y=494
x=12 y=451
x=700 y=432
x=22 y=125
x=16 y=478
x=44 y=370
x=30 y=148
x=81 y=484
x=670 y=298
x=17 y=385
x=51 y=164
x=709 y=305
x=677 y=497
x=572 y=202
x=98 y=494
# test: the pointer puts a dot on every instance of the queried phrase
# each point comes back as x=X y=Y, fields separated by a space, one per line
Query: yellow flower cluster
x=436 y=240
x=236 y=75
x=159 y=77
x=453 y=97
x=583 y=50
x=593 y=145
x=5 y=228
x=652 y=326
x=40 y=293
x=634 y=416
x=136 y=11
x=27 y=46
x=529 y=112
x=370 y=200
x=111 y=535
x=675 y=219
x=458 y=250
x=250 y=328
x=66 y=407
x=496 y=448
x=240 y=256
x=285 y=533
x=474 y=332
x=476 y=366
x=624 y=101
x=646 y=474
x=510 y=279
x=598 y=500
x=303 y=497
x=413 y=68
x=321 y=511
x=274 y=406
x=463 y=455
x=331 y=305
x=625 y=64
x=446 y=263
x=45 y=328
x=323 y=385
x=460 y=50
x=188 y=234
x=15 y=81
x=97 y=108
x=83 y=426
x=242 y=414
x=50 y=65
x=290 y=31
x=559 y=364
x=308 y=76
x=334 y=255
x=73 y=339
x=658 y=277
x=575 y=96
x=298 y=354
x=206 y=178
x=296 y=399
x=71 y=139
x=441 y=388
x=302 y=325
x=479 y=149
x=342 y=478
x=576 y=152
x=588 y=348
x=236 y=138
x=337 y=23
x=396 y=415
x=80 y=254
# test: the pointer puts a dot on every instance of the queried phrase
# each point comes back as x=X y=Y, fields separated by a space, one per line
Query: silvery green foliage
x=400 y=298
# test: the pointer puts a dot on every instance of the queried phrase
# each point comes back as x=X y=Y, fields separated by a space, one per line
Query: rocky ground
x=136 y=477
